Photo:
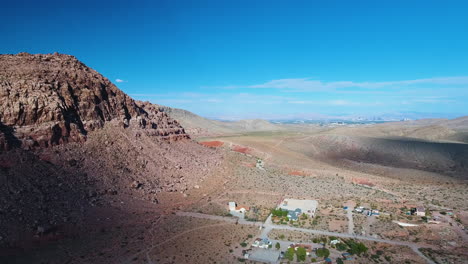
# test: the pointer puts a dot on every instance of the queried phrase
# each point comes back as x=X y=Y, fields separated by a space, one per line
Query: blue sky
x=270 y=59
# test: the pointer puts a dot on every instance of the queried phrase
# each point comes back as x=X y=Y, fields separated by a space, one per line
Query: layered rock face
x=52 y=99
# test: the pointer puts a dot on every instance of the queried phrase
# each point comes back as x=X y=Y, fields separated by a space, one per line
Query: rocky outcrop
x=52 y=99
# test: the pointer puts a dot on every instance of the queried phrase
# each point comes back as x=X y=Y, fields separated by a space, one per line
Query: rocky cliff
x=72 y=144
x=54 y=98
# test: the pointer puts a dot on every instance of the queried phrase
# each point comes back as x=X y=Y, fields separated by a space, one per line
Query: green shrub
x=301 y=254
x=289 y=254
x=323 y=253
x=341 y=246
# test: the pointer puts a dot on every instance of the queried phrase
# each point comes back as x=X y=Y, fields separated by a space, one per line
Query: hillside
x=196 y=125
x=70 y=140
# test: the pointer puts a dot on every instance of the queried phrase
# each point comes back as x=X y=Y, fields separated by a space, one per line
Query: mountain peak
x=49 y=99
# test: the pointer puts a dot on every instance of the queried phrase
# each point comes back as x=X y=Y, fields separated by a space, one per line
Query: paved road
x=268 y=226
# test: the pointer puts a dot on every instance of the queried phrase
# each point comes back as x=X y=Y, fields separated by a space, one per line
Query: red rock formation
x=54 y=98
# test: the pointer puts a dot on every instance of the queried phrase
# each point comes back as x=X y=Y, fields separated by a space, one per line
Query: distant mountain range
x=196 y=125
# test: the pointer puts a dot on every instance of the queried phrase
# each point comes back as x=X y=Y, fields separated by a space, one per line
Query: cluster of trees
x=301 y=254
x=279 y=212
x=322 y=252
x=356 y=248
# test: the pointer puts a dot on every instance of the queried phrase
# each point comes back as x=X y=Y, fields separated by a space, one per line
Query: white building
x=233 y=207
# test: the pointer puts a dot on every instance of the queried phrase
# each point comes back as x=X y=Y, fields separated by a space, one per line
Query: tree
x=339 y=261
x=243 y=244
x=323 y=253
x=289 y=254
x=341 y=246
x=278 y=246
x=356 y=248
x=301 y=254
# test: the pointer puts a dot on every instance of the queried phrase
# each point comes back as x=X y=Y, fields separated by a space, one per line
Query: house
x=360 y=209
x=334 y=242
x=419 y=211
x=261 y=243
x=308 y=248
x=239 y=209
x=294 y=215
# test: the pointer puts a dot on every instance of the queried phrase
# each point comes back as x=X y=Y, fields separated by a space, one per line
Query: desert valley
x=90 y=175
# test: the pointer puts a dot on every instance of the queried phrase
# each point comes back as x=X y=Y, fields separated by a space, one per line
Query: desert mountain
x=196 y=125
x=71 y=140
x=52 y=99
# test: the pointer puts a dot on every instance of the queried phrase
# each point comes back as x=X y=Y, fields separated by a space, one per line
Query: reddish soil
x=363 y=182
x=248 y=164
x=215 y=144
x=297 y=173
x=241 y=149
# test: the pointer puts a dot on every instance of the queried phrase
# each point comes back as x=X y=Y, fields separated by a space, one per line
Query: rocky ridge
x=51 y=99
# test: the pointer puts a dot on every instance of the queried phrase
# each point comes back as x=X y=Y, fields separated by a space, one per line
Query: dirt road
x=268 y=226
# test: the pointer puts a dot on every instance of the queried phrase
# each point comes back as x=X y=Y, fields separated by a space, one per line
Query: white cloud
x=306 y=84
x=120 y=80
